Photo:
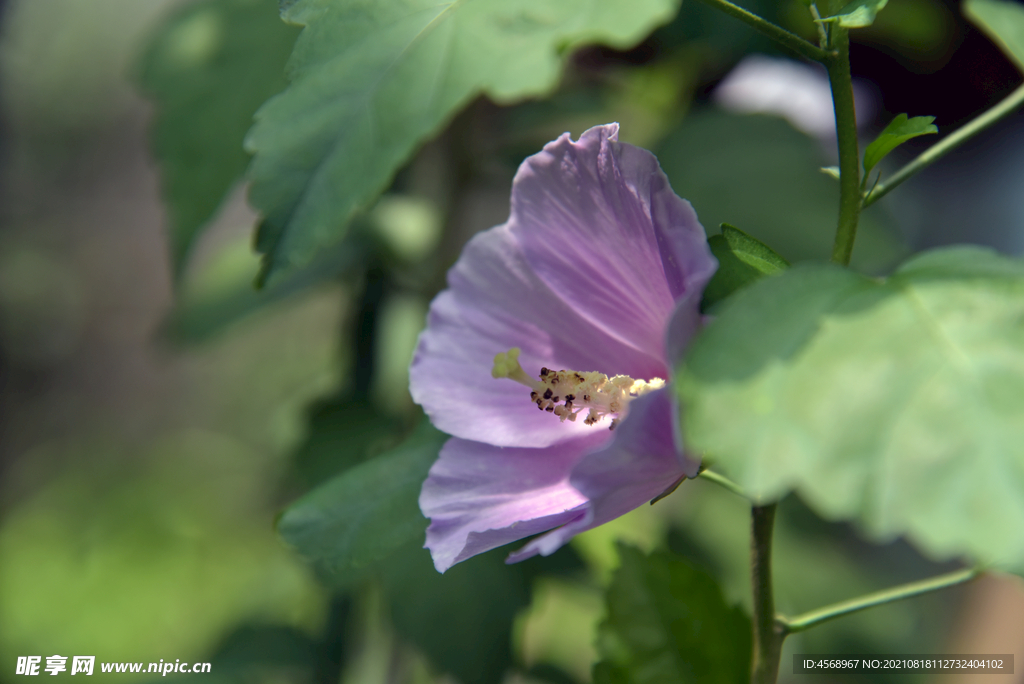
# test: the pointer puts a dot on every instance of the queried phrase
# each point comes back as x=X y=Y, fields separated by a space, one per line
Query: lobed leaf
x=895 y=403
x=667 y=623
x=208 y=69
x=372 y=79
x=1003 y=22
x=900 y=130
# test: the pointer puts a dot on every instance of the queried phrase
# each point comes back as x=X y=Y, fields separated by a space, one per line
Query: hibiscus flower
x=547 y=357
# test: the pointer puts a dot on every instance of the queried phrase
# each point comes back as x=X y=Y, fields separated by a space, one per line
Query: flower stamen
x=568 y=393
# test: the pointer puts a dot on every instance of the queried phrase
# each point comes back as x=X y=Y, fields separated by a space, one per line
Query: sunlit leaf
x=371 y=81
x=895 y=403
x=741 y=260
x=1003 y=22
x=858 y=14
x=900 y=130
x=667 y=623
x=208 y=69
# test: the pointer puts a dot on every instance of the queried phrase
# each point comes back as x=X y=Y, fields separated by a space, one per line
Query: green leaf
x=858 y=14
x=895 y=403
x=1004 y=24
x=366 y=512
x=372 y=80
x=899 y=131
x=759 y=172
x=207 y=70
x=462 y=620
x=741 y=260
x=667 y=622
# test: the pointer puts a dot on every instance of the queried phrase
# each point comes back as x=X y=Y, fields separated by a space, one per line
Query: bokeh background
x=151 y=427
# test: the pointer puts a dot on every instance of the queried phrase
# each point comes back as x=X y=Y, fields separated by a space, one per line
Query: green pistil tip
x=505 y=363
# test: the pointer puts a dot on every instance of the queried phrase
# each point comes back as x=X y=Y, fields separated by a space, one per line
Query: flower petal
x=643 y=460
x=495 y=302
x=600 y=225
x=479 y=496
x=584 y=276
x=686 y=320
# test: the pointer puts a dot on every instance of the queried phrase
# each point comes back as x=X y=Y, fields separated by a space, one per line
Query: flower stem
x=721 y=481
x=768 y=631
x=849 y=155
x=777 y=33
x=950 y=142
x=364 y=329
x=816 y=617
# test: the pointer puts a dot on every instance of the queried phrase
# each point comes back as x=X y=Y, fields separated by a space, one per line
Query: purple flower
x=584 y=296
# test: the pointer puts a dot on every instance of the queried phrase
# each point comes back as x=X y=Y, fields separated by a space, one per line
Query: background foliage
x=163 y=421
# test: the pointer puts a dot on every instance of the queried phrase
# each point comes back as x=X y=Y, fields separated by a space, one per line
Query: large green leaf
x=1003 y=22
x=371 y=79
x=368 y=511
x=898 y=403
x=759 y=173
x=208 y=69
x=667 y=623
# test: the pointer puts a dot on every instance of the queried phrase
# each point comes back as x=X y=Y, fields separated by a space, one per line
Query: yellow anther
x=568 y=393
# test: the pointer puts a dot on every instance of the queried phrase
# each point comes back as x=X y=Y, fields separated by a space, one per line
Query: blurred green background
x=150 y=430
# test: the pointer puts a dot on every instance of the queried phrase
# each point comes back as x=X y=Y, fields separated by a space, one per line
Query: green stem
x=777 y=33
x=905 y=591
x=820 y=25
x=950 y=142
x=846 y=137
x=768 y=631
x=721 y=481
